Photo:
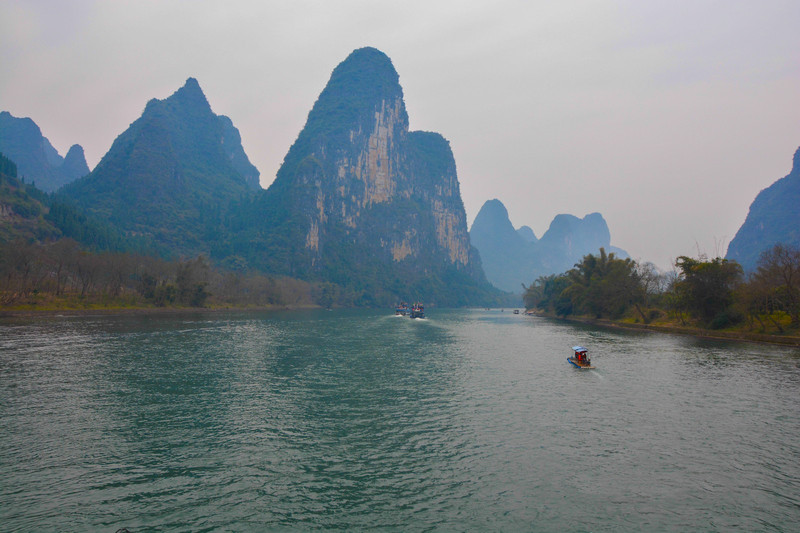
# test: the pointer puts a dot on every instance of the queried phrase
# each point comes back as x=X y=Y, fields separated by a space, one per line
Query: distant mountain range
x=360 y=201
x=513 y=257
x=37 y=161
x=774 y=218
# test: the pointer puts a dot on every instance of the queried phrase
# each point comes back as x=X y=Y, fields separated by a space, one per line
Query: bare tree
x=87 y=268
x=63 y=253
x=779 y=271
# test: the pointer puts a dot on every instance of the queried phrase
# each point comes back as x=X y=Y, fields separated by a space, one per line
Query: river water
x=357 y=420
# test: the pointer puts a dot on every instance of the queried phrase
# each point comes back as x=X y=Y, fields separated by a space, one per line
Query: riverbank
x=743 y=336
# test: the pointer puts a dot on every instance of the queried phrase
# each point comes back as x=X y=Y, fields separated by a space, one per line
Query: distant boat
x=581 y=358
x=417 y=311
x=401 y=309
x=516 y=311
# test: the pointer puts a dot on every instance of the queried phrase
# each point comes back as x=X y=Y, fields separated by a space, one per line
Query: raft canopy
x=578 y=349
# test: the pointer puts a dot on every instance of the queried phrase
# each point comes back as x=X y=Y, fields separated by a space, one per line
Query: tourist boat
x=417 y=311
x=401 y=309
x=581 y=358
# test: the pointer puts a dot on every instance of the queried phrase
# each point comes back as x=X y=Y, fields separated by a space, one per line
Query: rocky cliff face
x=367 y=198
x=170 y=175
x=774 y=218
x=37 y=161
x=512 y=257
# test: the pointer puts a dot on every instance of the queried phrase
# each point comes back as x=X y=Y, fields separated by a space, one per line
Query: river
x=470 y=420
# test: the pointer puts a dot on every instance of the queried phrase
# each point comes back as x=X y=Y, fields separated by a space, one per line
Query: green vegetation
x=705 y=294
x=35 y=216
x=7 y=167
x=20 y=203
x=706 y=290
x=53 y=256
x=169 y=177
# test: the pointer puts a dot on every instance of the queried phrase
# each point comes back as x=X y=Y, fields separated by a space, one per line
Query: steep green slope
x=31 y=215
x=170 y=175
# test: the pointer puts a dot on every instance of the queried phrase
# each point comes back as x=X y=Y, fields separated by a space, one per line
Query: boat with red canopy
x=581 y=358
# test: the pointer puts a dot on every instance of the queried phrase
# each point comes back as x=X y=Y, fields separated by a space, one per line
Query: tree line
x=708 y=293
x=63 y=274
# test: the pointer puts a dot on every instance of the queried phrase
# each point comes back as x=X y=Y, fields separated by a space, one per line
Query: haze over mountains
x=513 y=257
x=360 y=201
x=37 y=161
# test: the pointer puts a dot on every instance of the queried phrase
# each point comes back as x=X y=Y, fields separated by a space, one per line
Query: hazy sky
x=667 y=117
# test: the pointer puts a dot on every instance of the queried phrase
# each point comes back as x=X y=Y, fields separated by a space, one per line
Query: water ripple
x=354 y=420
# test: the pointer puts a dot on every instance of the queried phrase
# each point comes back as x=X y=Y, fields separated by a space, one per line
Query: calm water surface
x=355 y=420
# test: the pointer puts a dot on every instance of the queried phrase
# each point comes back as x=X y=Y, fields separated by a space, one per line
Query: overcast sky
x=667 y=117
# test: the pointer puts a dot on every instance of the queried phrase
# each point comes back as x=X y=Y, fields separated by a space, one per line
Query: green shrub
x=728 y=317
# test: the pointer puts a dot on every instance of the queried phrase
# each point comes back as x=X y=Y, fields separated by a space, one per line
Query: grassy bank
x=787 y=338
